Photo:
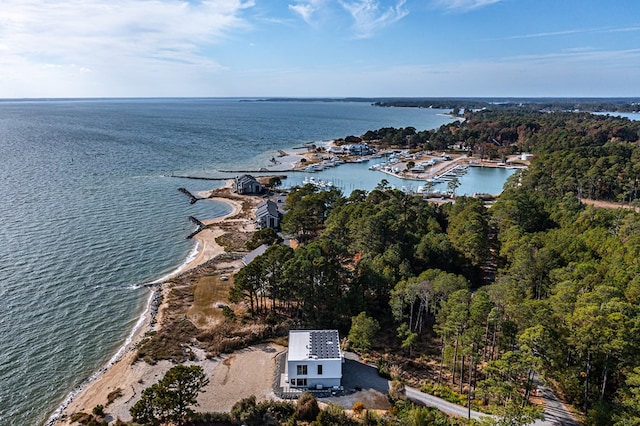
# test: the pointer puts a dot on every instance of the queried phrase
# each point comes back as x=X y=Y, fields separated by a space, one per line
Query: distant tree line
x=498 y=103
x=521 y=104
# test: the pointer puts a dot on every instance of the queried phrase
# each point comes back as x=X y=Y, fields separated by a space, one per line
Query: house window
x=300 y=382
x=302 y=370
x=319 y=369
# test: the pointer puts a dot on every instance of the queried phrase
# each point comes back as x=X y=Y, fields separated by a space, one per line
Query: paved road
x=555 y=413
x=365 y=376
x=442 y=405
x=355 y=373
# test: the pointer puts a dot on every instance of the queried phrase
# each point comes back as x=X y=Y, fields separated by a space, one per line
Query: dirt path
x=608 y=204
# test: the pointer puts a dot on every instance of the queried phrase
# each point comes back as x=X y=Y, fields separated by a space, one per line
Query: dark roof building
x=268 y=215
x=247 y=184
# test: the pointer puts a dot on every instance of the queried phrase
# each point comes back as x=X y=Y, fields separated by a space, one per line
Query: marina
x=435 y=174
x=472 y=178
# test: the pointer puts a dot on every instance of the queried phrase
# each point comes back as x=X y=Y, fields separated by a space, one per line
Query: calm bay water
x=88 y=215
x=488 y=180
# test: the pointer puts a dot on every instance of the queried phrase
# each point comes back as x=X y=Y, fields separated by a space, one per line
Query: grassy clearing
x=210 y=292
x=234 y=242
x=194 y=318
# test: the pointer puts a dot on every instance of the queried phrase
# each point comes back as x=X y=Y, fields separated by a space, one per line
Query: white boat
x=322 y=184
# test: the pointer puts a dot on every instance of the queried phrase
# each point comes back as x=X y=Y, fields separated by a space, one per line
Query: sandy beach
x=127 y=377
x=229 y=381
x=207 y=247
x=123 y=380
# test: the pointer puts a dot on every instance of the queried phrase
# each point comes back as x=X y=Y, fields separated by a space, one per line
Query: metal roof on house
x=245 y=178
x=249 y=257
x=248 y=183
x=267 y=207
x=314 y=344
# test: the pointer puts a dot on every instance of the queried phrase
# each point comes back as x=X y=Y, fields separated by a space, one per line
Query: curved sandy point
x=131 y=378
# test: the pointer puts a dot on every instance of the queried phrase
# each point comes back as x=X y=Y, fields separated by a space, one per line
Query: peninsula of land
x=118 y=386
x=220 y=247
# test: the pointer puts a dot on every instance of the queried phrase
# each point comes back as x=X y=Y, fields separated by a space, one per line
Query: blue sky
x=310 y=48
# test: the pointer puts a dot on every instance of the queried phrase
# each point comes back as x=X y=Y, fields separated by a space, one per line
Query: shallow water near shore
x=89 y=215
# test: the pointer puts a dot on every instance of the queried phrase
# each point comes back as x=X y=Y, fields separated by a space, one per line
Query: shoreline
x=205 y=250
x=121 y=370
x=143 y=322
x=206 y=247
x=87 y=394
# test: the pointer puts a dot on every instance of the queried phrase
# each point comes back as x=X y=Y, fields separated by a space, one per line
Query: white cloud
x=620 y=30
x=307 y=9
x=589 y=73
x=462 y=5
x=304 y=10
x=110 y=36
x=368 y=17
x=547 y=34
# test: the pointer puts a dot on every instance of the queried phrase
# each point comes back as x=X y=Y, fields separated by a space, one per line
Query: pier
x=452 y=172
x=438 y=173
x=200 y=226
x=197 y=177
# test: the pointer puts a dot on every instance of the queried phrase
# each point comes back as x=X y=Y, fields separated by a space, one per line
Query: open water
x=88 y=216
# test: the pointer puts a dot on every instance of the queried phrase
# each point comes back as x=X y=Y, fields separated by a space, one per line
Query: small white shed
x=314 y=359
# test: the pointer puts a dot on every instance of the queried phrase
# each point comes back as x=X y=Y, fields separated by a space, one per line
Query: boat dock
x=452 y=173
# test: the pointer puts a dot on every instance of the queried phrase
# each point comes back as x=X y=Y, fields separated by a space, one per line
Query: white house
x=314 y=359
x=525 y=156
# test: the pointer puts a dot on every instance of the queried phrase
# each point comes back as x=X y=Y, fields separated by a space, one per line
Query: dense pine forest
x=475 y=298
